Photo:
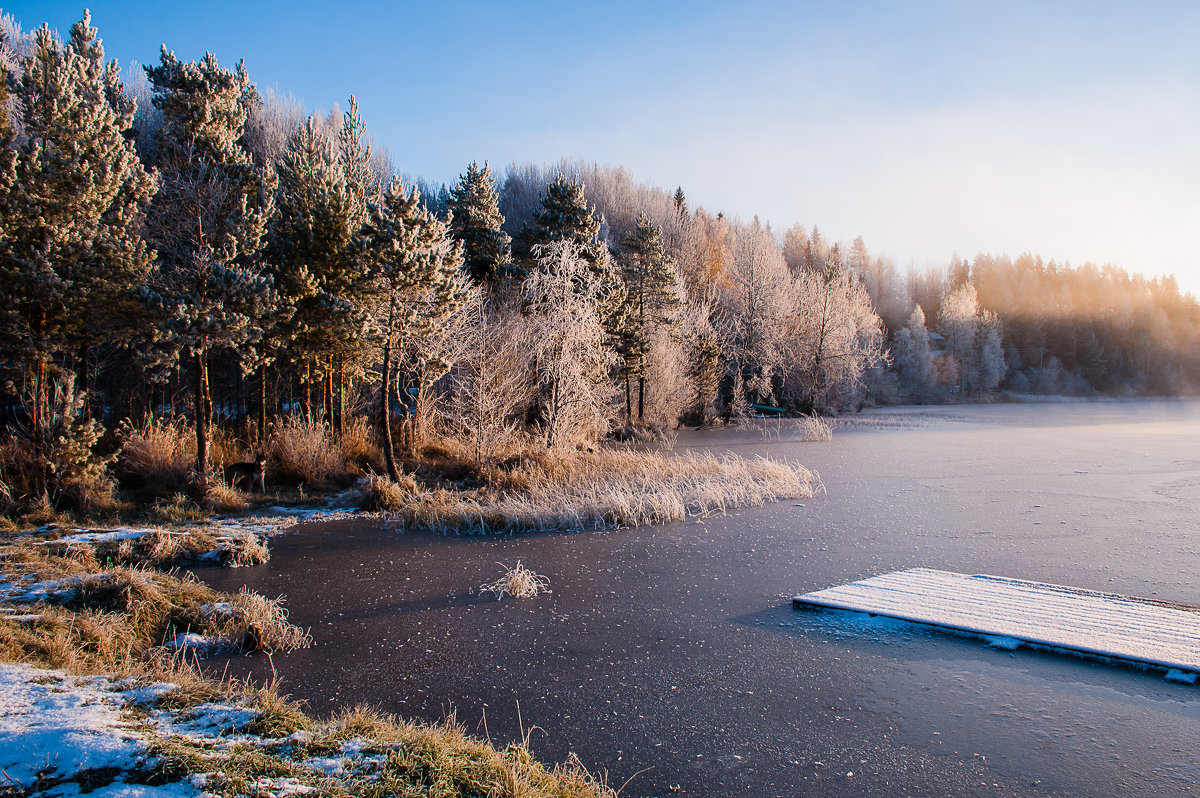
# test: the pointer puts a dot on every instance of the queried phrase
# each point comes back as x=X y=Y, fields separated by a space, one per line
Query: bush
x=302 y=450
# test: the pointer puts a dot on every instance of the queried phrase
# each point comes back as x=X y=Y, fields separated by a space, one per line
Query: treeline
x=179 y=242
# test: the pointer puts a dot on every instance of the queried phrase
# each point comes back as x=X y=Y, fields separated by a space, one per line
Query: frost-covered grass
x=517 y=581
x=302 y=450
x=74 y=611
x=62 y=734
x=804 y=428
x=540 y=489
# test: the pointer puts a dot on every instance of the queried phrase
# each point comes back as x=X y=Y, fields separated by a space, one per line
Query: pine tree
x=476 y=222
x=209 y=222
x=652 y=294
x=681 y=207
x=72 y=196
x=416 y=284
x=321 y=206
x=564 y=215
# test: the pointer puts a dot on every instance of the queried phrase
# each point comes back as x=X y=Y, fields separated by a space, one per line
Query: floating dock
x=1160 y=634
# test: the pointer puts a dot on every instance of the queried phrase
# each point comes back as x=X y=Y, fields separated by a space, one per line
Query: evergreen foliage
x=72 y=197
x=209 y=223
x=651 y=296
x=415 y=285
x=476 y=222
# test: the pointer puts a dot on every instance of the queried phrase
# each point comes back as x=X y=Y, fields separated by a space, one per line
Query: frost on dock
x=1145 y=631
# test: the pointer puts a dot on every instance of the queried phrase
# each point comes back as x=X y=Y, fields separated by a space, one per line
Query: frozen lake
x=676 y=649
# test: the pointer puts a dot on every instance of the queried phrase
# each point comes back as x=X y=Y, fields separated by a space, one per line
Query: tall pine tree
x=416 y=284
x=476 y=222
x=72 y=197
x=209 y=222
x=651 y=297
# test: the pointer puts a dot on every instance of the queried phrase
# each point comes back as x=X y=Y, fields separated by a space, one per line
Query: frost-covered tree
x=72 y=198
x=476 y=222
x=565 y=215
x=759 y=299
x=652 y=296
x=837 y=337
x=314 y=252
x=209 y=222
x=492 y=385
x=416 y=286
x=973 y=340
x=563 y=297
x=912 y=357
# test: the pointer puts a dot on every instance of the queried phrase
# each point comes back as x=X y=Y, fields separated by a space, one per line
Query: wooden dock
x=1140 y=630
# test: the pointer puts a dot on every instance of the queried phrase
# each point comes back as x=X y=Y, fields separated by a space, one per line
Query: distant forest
x=176 y=243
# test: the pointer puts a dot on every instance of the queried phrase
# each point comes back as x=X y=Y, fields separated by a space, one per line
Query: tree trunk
x=328 y=386
x=201 y=417
x=262 y=404
x=340 y=407
x=641 y=398
x=85 y=380
x=628 y=400
x=389 y=445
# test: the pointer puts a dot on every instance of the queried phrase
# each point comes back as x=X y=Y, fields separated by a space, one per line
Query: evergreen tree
x=415 y=284
x=476 y=222
x=651 y=294
x=321 y=206
x=681 y=207
x=564 y=215
x=72 y=196
x=209 y=222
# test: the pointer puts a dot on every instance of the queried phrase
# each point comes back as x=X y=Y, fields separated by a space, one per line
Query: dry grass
x=543 y=489
x=93 y=616
x=380 y=493
x=221 y=498
x=302 y=450
x=517 y=581
x=359 y=447
x=160 y=452
x=805 y=428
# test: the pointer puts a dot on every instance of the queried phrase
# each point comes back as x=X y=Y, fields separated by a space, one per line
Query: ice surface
x=1010 y=611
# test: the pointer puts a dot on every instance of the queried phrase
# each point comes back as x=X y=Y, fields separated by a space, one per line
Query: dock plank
x=1148 y=631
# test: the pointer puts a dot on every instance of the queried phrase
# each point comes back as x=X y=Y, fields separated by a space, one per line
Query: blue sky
x=1067 y=129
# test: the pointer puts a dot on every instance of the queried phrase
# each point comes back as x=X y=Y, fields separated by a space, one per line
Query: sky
x=931 y=129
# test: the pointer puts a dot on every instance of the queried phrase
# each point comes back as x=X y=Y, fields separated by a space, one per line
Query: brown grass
x=359 y=447
x=102 y=617
x=302 y=450
x=160 y=452
x=543 y=489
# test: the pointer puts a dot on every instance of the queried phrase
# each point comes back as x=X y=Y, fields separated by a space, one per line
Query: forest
x=183 y=254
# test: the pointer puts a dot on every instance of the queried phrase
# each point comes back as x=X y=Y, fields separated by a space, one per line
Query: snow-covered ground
x=63 y=735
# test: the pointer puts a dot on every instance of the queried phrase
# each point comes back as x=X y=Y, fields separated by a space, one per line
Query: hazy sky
x=1067 y=129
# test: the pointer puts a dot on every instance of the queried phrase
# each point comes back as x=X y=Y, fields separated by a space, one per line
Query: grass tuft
x=517 y=581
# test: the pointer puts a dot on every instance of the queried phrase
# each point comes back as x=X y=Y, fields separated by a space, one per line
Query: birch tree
x=563 y=297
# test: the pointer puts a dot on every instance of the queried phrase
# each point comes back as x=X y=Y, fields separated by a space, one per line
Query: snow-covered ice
x=1009 y=612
